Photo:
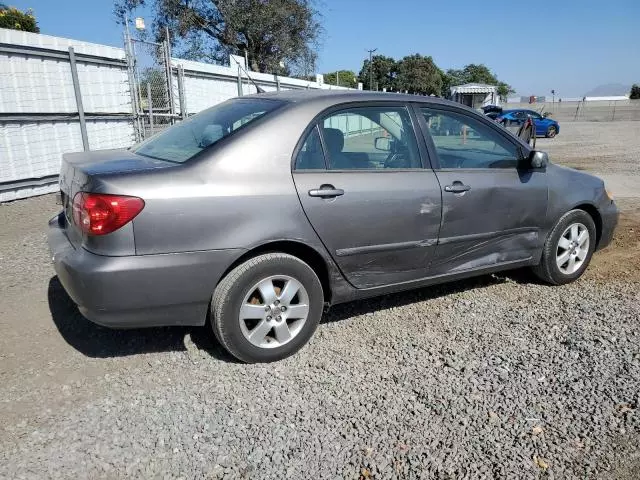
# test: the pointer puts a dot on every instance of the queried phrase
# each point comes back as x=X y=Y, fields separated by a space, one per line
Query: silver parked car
x=260 y=212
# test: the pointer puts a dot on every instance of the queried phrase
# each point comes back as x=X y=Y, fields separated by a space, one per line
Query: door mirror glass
x=538 y=159
x=383 y=144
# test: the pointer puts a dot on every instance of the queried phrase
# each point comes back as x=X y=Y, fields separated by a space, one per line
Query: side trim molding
x=487 y=235
x=386 y=247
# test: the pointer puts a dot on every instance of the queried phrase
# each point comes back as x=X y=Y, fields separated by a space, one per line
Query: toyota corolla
x=256 y=214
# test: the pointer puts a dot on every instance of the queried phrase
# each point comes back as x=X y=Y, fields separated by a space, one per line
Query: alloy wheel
x=273 y=311
x=573 y=248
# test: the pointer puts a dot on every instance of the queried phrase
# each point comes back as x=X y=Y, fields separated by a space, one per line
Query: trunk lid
x=90 y=171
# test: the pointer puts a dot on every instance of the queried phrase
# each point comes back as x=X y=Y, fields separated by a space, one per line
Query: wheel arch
x=300 y=250
x=593 y=212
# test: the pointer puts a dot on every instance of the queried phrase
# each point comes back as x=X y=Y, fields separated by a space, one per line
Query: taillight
x=101 y=213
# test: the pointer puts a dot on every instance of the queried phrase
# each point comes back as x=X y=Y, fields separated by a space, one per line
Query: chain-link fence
x=150 y=75
x=590 y=111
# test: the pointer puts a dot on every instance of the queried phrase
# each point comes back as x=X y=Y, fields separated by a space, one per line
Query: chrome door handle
x=326 y=191
x=457 y=187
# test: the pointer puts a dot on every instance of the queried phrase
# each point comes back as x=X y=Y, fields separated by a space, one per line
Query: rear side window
x=310 y=156
x=184 y=140
x=370 y=138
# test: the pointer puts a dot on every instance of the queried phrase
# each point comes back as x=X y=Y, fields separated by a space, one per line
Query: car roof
x=344 y=96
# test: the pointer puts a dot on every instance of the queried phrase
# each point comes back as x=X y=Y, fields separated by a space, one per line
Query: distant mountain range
x=610 y=89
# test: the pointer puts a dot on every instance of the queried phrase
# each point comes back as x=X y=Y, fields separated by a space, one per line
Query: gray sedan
x=257 y=214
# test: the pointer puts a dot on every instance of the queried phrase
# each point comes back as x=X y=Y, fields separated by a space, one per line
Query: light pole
x=371 y=67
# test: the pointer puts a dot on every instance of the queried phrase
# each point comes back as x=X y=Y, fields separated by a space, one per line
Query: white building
x=475 y=95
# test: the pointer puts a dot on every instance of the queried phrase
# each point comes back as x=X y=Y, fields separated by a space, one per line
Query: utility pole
x=338 y=78
x=371 y=67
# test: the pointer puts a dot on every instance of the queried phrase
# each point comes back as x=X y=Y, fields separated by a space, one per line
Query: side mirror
x=538 y=159
x=383 y=144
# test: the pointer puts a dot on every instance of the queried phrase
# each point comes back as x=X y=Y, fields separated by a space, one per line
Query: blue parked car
x=545 y=126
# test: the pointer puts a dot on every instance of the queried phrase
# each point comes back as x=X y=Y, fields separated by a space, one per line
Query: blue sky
x=568 y=45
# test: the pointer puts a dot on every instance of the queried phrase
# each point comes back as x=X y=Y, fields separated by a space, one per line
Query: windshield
x=188 y=138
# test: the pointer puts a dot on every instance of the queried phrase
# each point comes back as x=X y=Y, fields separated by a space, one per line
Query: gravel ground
x=494 y=377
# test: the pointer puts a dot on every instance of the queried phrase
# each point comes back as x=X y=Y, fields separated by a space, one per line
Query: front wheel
x=568 y=249
x=551 y=131
x=267 y=308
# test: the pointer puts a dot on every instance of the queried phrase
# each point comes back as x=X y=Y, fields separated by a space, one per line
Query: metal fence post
x=613 y=117
x=239 y=81
x=150 y=107
x=76 y=89
x=167 y=50
x=278 y=83
x=181 y=97
x=133 y=90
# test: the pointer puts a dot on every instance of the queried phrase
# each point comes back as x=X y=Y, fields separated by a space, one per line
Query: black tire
x=551 y=131
x=548 y=269
x=231 y=291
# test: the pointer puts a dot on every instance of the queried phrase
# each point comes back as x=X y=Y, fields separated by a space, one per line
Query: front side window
x=464 y=142
x=184 y=140
x=370 y=138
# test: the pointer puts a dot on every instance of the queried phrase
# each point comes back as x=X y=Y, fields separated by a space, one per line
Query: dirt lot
x=496 y=377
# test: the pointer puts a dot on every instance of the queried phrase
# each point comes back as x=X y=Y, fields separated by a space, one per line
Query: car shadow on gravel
x=362 y=307
x=99 y=342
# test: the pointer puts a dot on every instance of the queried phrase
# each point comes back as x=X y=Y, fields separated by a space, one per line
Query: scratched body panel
x=383 y=229
x=497 y=220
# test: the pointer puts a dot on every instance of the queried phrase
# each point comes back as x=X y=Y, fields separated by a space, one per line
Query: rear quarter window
x=186 y=139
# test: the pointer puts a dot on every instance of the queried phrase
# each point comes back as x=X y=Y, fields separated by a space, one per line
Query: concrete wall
x=206 y=85
x=38 y=110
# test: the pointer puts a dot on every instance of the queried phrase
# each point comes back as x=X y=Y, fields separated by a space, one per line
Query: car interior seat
x=334 y=141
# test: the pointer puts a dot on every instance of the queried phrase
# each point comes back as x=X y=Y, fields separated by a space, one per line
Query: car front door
x=492 y=207
x=360 y=179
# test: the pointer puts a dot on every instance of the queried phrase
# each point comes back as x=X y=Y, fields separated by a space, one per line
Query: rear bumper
x=609 y=215
x=138 y=291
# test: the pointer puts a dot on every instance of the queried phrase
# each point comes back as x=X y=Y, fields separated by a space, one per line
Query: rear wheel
x=267 y=308
x=568 y=249
x=551 y=131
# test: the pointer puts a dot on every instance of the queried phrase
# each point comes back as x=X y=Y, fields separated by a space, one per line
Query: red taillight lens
x=100 y=213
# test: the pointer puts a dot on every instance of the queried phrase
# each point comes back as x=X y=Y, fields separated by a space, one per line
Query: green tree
x=419 y=74
x=278 y=36
x=384 y=73
x=504 y=90
x=14 y=19
x=634 y=94
x=344 y=78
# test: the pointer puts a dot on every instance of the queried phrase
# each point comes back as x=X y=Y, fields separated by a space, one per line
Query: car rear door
x=360 y=178
x=492 y=207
